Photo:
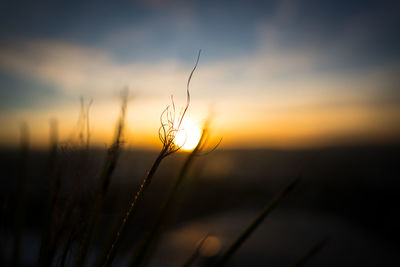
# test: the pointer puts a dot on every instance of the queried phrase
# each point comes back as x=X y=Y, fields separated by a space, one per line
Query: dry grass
x=153 y=236
x=104 y=182
x=170 y=126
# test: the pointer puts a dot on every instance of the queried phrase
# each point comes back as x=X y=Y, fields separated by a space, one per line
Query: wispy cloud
x=280 y=93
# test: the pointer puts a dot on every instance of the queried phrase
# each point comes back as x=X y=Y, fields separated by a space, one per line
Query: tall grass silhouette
x=170 y=126
x=302 y=261
x=140 y=255
x=104 y=182
x=227 y=254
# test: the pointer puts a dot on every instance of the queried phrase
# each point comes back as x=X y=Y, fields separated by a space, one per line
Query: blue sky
x=267 y=57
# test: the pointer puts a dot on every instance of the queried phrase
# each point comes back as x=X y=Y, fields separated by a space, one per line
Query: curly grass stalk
x=170 y=125
x=254 y=224
x=142 y=253
x=105 y=178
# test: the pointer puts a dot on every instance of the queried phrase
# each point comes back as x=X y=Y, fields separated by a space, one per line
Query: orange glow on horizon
x=246 y=128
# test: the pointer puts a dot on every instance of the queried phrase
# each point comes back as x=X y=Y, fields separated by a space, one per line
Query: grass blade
x=309 y=254
x=105 y=179
x=195 y=254
x=254 y=224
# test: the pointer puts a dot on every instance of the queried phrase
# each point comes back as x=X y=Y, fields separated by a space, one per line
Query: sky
x=272 y=73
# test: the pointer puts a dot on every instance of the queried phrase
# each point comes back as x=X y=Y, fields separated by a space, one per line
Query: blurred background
x=309 y=87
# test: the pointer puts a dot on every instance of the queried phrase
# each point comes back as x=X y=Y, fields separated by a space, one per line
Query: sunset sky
x=274 y=73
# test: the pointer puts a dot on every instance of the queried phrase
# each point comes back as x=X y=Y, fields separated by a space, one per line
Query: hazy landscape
x=345 y=194
x=199 y=133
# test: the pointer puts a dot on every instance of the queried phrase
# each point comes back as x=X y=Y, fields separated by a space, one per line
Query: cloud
x=279 y=93
x=269 y=71
x=75 y=69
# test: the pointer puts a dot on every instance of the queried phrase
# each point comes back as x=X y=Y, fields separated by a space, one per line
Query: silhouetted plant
x=227 y=254
x=104 y=182
x=154 y=234
x=170 y=126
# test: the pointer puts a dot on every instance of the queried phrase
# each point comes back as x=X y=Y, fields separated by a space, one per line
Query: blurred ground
x=348 y=194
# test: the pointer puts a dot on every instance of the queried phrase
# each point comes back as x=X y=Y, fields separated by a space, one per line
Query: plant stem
x=195 y=254
x=132 y=207
x=254 y=224
x=105 y=179
x=309 y=254
x=138 y=256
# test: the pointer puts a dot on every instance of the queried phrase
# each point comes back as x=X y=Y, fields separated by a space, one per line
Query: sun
x=188 y=136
